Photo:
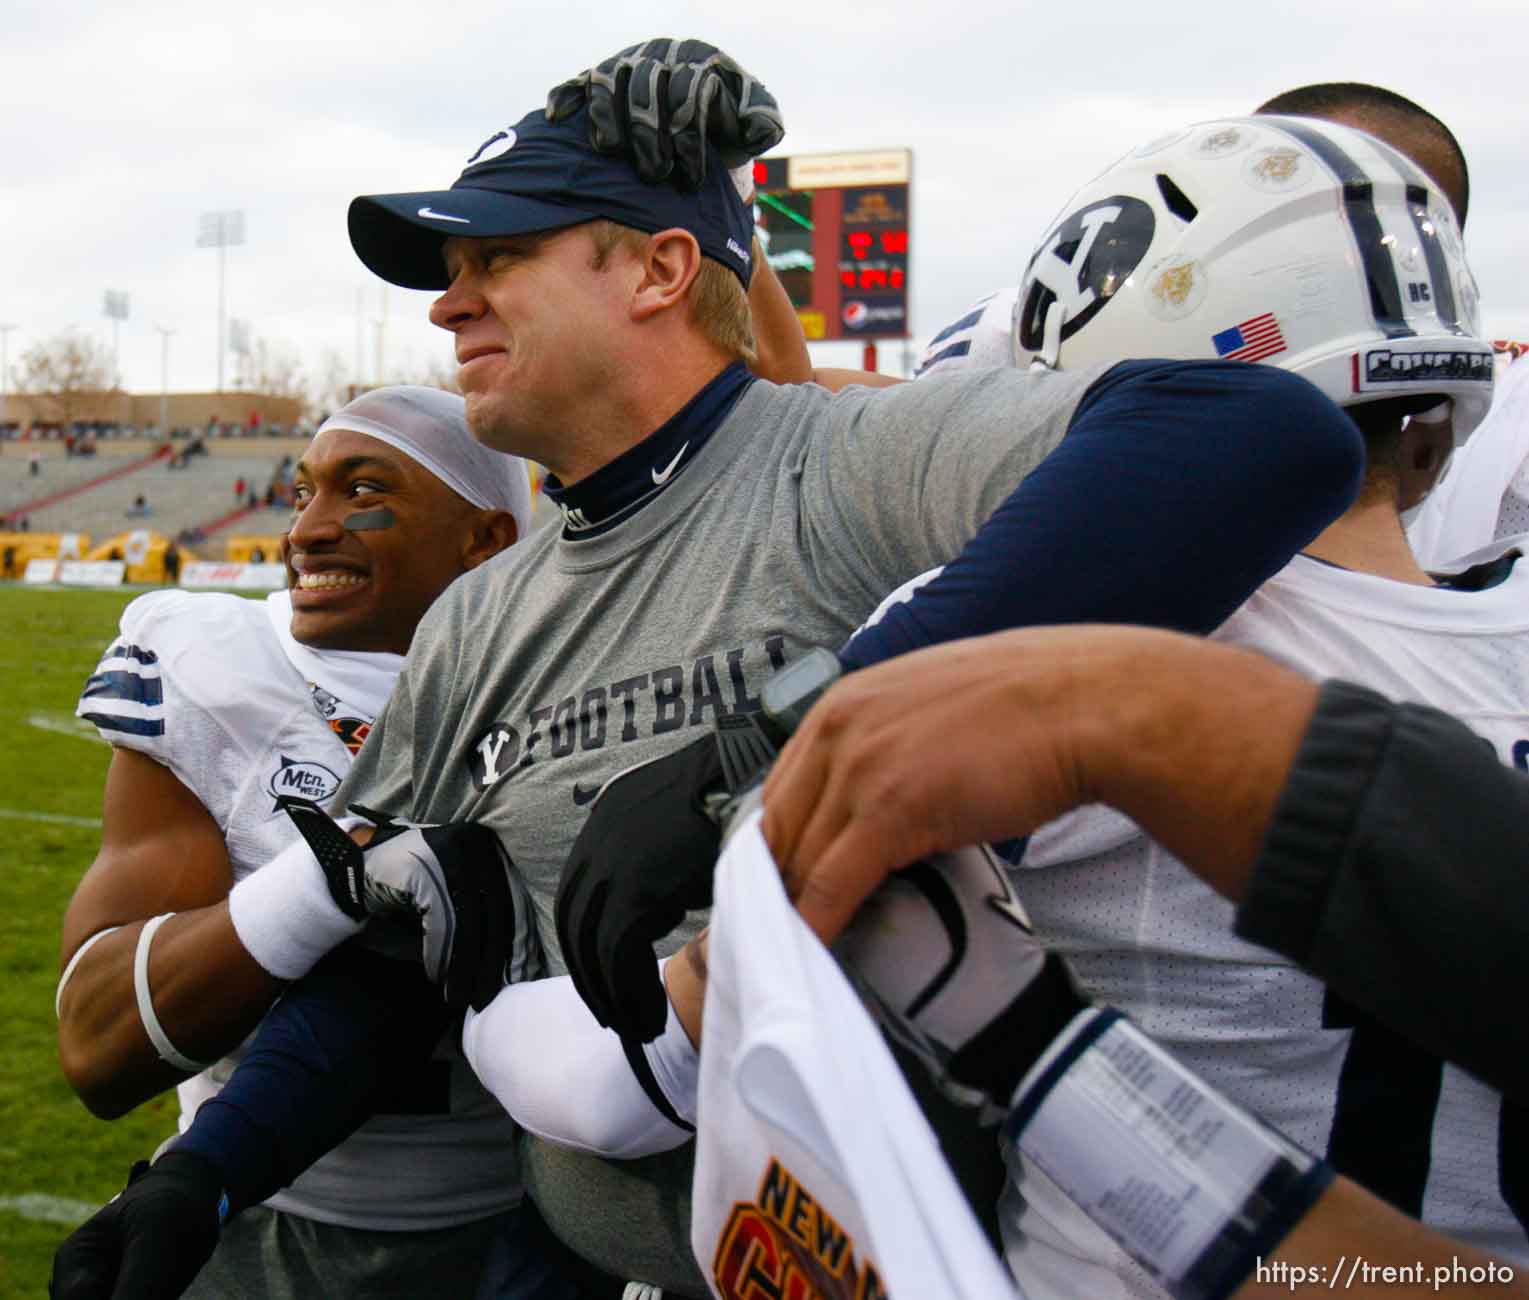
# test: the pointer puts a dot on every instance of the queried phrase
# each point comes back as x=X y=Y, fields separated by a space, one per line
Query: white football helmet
x=1288 y=240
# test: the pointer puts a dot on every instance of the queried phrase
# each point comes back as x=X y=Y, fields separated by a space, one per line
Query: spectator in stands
x=8 y=562
x=251 y=500
x=25 y=525
x=140 y=508
x=173 y=564
x=257 y=555
x=34 y=463
x=239 y=486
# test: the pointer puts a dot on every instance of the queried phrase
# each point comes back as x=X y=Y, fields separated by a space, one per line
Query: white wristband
x=146 y=1013
x=58 y=996
x=675 y=1063
x=285 y=916
x=1191 y=1186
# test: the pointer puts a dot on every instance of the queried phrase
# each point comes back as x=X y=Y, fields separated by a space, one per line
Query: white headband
x=429 y=426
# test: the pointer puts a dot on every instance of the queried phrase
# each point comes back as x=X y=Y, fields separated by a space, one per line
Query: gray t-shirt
x=561 y=662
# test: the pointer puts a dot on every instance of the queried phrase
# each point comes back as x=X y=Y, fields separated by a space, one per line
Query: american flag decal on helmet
x=1253 y=340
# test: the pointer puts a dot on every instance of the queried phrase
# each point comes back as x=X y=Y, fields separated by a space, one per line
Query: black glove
x=150 y=1241
x=453 y=885
x=647 y=853
x=644 y=858
x=660 y=102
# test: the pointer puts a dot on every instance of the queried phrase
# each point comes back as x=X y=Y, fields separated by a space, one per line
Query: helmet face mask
x=1288 y=241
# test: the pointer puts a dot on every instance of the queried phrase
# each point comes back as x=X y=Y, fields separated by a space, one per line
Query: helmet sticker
x=1254 y=339
x=1080 y=265
x=1380 y=368
x=1222 y=143
x=1175 y=288
x=1279 y=168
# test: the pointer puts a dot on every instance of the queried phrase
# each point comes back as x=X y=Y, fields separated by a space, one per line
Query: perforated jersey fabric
x=1146 y=935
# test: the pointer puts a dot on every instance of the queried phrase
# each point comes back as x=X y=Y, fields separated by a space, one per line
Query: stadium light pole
x=5 y=369
x=164 y=380
x=221 y=230
x=116 y=307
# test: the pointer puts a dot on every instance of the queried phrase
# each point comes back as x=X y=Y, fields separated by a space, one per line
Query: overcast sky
x=122 y=123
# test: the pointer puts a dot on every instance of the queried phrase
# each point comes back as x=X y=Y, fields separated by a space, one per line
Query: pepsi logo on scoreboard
x=835 y=229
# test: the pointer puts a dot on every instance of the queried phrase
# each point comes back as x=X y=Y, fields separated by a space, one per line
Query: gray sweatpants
x=263 y=1254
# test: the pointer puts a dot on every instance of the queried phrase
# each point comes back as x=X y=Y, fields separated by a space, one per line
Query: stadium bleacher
x=195 y=496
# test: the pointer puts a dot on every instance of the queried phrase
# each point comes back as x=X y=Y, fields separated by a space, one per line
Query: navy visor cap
x=538 y=176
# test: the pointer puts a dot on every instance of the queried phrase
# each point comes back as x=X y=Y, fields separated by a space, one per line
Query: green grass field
x=55 y=1157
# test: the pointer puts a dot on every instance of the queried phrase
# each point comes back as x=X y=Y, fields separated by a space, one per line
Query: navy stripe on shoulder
x=124 y=651
x=128 y=726
x=966 y=322
x=125 y=686
x=945 y=354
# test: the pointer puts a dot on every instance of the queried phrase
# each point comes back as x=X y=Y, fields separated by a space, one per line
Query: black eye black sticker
x=381 y=517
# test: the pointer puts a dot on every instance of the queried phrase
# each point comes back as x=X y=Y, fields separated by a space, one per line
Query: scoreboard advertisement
x=835 y=229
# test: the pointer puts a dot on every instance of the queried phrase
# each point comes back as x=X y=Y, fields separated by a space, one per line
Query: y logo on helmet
x=1082 y=263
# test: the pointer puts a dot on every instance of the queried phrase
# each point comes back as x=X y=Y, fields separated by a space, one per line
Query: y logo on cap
x=498 y=143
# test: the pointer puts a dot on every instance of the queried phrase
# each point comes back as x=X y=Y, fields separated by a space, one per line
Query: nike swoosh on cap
x=662 y=477
x=428 y=211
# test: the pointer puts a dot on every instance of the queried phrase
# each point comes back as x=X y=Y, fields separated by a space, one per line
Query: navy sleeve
x=320 y=1058
x=1179 y=487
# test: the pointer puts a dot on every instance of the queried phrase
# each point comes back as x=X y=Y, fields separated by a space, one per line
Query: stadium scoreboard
x=835 y=229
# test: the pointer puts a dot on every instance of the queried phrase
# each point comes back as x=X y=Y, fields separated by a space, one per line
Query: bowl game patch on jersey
x=784 y=1243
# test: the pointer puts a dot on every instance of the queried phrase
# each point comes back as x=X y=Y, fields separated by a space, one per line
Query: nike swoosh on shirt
x=582 y=796
x=662 y=477
x=427 y=211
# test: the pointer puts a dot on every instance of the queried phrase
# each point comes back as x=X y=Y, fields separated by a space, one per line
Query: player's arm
x=1348 y=1228
x=779 y=343
x=308 y=1081
x=596 y=1093
x=1090 y=1104
x=1176 y=489
x=1191 y=739
x=780 y=346
x=1337 y=820
x=161 y=853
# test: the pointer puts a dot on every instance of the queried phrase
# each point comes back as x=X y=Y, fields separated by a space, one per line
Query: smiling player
x=216 y=705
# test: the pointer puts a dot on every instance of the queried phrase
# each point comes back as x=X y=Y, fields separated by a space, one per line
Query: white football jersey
x=816 y=1175
x=1146 y=935
x=978 y=339
x=202 y=683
